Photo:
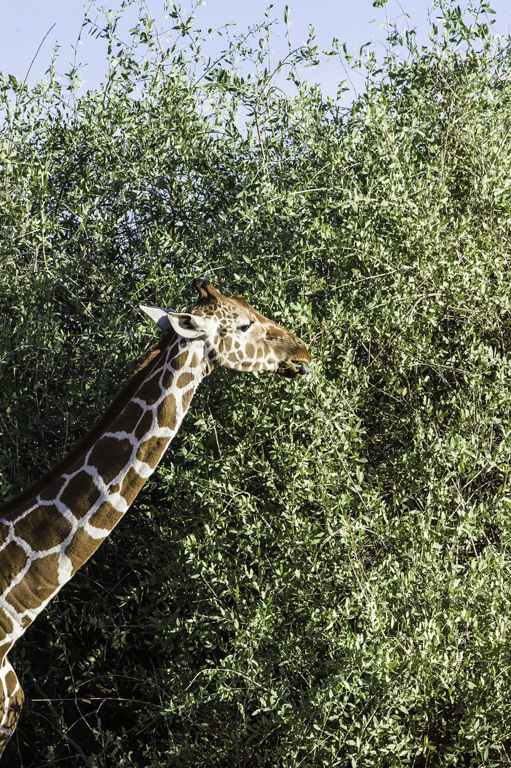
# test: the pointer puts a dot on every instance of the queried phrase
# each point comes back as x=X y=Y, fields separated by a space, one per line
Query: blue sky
x=26 y=22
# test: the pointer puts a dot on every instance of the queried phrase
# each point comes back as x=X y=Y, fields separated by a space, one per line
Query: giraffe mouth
x=296 y=361
x=293 y=354
x=288 y=369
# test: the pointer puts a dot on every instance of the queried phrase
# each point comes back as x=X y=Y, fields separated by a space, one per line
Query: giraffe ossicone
x=49 y=530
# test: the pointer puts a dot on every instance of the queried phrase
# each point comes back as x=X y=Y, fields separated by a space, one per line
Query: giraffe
x=49 y=530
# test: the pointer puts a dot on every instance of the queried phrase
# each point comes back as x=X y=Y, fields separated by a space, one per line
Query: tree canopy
x=318 y=574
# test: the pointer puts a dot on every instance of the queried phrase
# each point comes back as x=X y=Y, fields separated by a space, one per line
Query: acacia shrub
x=318 y=574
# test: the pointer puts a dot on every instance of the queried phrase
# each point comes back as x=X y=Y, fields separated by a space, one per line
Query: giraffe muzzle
x=289 y=370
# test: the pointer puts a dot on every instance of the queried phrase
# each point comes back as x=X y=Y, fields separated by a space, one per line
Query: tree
x=323 y=572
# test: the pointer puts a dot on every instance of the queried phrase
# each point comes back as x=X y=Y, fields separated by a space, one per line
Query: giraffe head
x=234 y=334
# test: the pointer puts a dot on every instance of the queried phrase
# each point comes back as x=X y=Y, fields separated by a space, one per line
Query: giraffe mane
x=85 y=442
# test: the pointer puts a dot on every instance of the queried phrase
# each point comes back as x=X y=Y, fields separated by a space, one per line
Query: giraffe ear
x=186 y=325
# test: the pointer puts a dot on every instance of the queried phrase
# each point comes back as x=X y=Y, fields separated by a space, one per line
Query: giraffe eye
x=245 y=327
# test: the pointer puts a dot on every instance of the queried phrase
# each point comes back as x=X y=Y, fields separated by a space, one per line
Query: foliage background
x=319 y=573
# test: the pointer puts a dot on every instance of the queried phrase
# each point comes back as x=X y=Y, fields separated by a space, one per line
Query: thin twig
x=37 y=52
x=72 y=743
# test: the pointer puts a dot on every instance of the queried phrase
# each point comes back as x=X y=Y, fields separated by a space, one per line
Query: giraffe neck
x=50 y=530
